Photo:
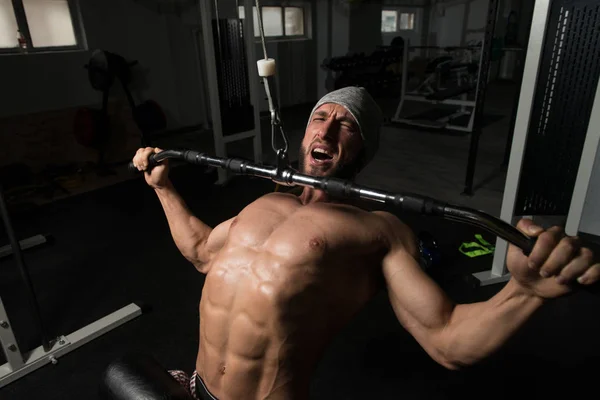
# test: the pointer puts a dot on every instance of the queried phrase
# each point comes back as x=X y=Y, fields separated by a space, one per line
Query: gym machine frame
x=586 y=168
x=28 y=243
x=415 y=96
x=482 y=84
x=499 y=273
x=18 y=363
x=221 y=140
x=539 y=28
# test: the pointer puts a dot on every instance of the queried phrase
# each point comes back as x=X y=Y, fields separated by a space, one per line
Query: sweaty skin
x=284 y=278
x=288 y=272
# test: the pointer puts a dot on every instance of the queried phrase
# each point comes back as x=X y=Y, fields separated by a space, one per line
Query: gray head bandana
x=365 y=111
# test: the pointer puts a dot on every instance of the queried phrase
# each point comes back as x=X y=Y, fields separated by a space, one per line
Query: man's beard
x=346 y=171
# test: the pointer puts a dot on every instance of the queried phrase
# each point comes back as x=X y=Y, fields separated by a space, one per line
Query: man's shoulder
x=396 y=228
x=274 y=199
x=387 y=217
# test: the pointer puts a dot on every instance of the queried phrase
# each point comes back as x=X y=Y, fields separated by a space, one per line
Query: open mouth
x=321 y=155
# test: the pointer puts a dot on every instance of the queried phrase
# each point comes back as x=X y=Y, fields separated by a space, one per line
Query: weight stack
x=237 y=112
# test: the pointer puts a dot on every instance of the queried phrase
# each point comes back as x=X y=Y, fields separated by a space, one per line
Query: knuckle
x=524 y=223
x=569 y=245
x=565 y=278
x=587 y=255
x=569 y=274
x=545 y=236
x=546 y=240
x=550 y=271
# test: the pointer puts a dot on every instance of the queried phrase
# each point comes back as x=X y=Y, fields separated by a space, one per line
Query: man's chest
x=303 y=233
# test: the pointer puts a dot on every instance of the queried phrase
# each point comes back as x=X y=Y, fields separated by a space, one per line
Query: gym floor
x=112 y=247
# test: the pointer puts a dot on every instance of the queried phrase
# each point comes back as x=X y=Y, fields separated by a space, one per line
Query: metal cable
x=260 y=27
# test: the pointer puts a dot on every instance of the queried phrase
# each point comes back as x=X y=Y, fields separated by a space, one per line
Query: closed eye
x=350 y=128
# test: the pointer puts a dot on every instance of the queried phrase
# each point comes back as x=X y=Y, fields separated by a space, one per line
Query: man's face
x=331 y=144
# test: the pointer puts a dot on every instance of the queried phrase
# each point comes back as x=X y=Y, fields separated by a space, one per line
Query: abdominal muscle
x=262 y=338
x=274 y=296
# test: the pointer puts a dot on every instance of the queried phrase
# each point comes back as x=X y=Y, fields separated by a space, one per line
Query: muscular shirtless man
x=289 y=271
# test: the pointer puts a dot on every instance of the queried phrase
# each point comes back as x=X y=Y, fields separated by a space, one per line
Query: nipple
x=316 y=243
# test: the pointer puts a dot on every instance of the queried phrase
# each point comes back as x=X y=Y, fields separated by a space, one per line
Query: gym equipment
x=431 y=256
x=449 y=87
x=92 y=127
x=343 y=189
x=340 y=188
x=266 y=69
x=19 y=364
x=18 y=176
x=484 y=71
x=374 y=72
x=25 y=244
x=476 y=249
x=229 y=51
x=139 y=376
x=556 y=132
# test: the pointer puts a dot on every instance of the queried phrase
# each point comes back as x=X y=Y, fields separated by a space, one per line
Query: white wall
x=450 y=25
x=453 y=23
x=458 y=22
x=40 y=82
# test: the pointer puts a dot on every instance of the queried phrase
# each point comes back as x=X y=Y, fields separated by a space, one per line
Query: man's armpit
x=399 y=234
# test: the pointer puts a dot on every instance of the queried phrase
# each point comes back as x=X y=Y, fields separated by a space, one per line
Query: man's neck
x=310 y=195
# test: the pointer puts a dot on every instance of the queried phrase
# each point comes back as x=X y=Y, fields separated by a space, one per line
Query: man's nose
x=328 y=130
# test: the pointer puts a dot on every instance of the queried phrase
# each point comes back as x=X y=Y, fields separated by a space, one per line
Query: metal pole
x=253 y=78
x=206 y=13
x=586 y=170
x=16 y=246
x=513 y=119
x=484 y=69
x=499 y=272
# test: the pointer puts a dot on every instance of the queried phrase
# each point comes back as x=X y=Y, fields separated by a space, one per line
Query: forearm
x=189 y=233
x=476 y=331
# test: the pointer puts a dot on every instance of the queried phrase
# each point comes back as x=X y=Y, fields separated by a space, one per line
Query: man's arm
x=454 y=335
x=194 y=239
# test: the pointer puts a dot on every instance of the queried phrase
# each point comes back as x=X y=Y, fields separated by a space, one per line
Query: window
x=394 y=21
x=294 y=21
x=39 y=25
x=407 y=21
x=389 y=21
x=278 y=22
x=272 y=21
